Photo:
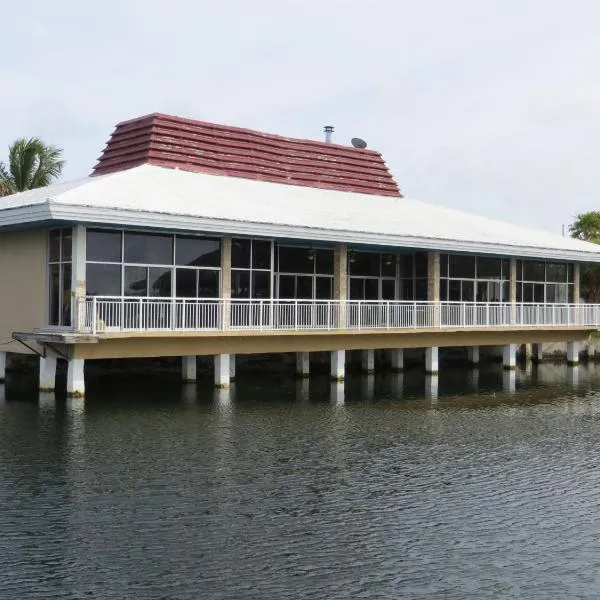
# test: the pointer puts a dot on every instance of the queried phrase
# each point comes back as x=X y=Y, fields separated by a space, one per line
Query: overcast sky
x=487 y=106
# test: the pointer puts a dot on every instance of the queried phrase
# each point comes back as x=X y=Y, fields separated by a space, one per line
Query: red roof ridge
x=200 y=146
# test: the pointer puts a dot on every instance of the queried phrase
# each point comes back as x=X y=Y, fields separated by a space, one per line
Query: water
x=280 y=489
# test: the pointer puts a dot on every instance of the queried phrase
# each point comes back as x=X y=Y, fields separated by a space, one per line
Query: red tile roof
x=173 y=142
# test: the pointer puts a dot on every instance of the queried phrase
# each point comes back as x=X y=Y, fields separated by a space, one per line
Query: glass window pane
x=240 y=284
x=421 y=264
x=261 y=254
x=571 y=293
x=462 y=266
x=136 y=281
x=443 y=265
x=420 y=289
x=528 y=292
x=159 y=282
x=505 y=269
x=240 y=254
x=324 y=265
x=489 y=268
x=388 y=289
x=443 y=290
x=304 y=287
x=506 y=292
x=54 y=245
x=66 y=295
x=324 y=288
x=356 y=289
x=371 y=289
x=103 y=280
x=197 y=252
x=406 y=265
x=454 y=291
x=103 y=245
x=468 y=291
x=388 y=265
x=148 y=248
x=287 y=286
x=533 y=270
x=296 y=260
x=54 y=289
x=365 y=264
x=67 y=245
x=538 y=292
x=261 y=284
x=551 y=293
x=185 y=283
x=208 y=283
x=570 y=273
x=556 y=272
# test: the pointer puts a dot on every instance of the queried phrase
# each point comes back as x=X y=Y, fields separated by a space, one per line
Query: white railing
x=111 y=313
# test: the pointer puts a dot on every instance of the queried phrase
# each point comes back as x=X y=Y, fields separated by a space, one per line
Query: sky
x=486 y=106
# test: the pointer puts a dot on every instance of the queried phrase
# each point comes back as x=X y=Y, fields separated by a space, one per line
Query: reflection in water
x=255 y=492
x=2 y=393
x=509 y=381
x=337 y=393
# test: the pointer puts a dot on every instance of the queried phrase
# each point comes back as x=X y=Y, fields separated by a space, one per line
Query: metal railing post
x=94 y=314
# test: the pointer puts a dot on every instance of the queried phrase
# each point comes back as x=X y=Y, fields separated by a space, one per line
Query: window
x=251 y=269
x=127 y=263
x=304 y=273
x=59 y=276
x=412 y=276
x=372 y=275
x=545 y=282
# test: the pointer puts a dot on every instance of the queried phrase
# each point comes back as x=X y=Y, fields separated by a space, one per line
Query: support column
x=473 y=355
x=302 y=364
x=188 y=368
x=572 y=353
x=433 y=283
x=75 y=378
x=431 y=360
x=397 y=360
x=222 y=375
x=338 y=365
x=576 y=283
x=340 y=282
x=512 y=291
x=47 y=373
x=368 y=361
x=537 y=353
x=226 y=282
x=509 y=356
x=78 y=285
x=2 y=366
x=232 y=366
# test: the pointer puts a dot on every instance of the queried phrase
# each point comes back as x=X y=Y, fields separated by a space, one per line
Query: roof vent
x=328 y=133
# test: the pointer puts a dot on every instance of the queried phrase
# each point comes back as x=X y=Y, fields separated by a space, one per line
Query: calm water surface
x=476 y=486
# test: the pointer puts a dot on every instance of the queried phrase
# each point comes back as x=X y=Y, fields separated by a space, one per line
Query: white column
x=78 y=281
x=368 y=361
x=397 y=359
x=188 y=368
x=75 y=378
x=431 y=360
x=232 y=366
x=2 y=366
x=222 y=375
x=302 y=364
x=473 y=352
x=338 y=364
x=509 y=356
x=537 y=353
x=572 y=353
x=47 y=373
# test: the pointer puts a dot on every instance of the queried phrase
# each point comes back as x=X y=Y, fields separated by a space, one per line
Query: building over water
x=192 y=239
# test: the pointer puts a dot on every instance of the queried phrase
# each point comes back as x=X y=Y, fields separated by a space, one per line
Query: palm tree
x=31 y=164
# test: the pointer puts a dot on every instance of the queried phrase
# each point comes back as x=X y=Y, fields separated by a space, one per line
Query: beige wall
x=23 y=289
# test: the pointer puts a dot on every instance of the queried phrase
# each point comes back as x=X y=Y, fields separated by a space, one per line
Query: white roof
x=155 y=197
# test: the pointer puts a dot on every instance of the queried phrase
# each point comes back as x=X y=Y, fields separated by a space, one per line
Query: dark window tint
x=54 y=243
x=444 y=290
x=136 y=281
x=54 y=285
x=468 y=291
x=147 y=248
x=388 y=265
x=570 y=270
x=407 y=289
x=296 y=260
x=443 y=265
x=356 y=289
x=388 y=289
x=406 y=265
x=103 y=280
x=421 y=264
x=159 y=282
x=103 y=246
x=240 y=284
x=533 y=271
x=261 y=254
x=462 y=266
x=208 y=284
x=304 y=289
x=197 y=252
x=365 y=264
x=67 y=245
x=287 y=286
x=324 y=288
x=240 y=254
x=185 y=283
x=556 y=272
x=454 y=291
x=489 y=268
x=538 y=292
x=371 y=289
x=324 y=262
x=261 y=284
x=66 y=295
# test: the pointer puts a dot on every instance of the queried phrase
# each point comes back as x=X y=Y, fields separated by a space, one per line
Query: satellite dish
x=358 y=143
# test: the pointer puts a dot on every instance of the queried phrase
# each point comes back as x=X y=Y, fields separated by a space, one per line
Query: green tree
x=587 y=227
x=31 y=164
